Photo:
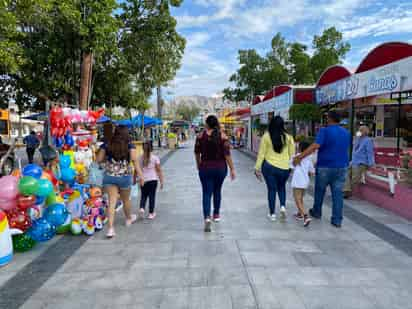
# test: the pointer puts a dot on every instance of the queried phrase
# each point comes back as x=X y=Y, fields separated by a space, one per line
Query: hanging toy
x=76 y=227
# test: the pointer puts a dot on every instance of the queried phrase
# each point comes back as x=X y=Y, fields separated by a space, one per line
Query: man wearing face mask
x=363 y=158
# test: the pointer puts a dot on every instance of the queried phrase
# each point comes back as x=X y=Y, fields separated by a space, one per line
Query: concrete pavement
x=246 y=262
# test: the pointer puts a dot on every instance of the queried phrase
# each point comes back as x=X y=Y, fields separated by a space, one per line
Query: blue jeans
x=212 y=182
x=335 y=178
x=275 y=179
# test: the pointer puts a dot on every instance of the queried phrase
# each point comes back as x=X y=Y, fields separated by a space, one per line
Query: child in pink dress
x=152 y=175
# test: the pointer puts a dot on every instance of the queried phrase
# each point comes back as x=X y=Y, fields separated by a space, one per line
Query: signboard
x=279 y=105
x=393 y=77
x=283 y=104
x=264 y=118
x=263 y=108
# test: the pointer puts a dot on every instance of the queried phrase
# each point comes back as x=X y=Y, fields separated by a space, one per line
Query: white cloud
x=223 y=10
x=396 y=20
x=238 y=24
x=197 y=39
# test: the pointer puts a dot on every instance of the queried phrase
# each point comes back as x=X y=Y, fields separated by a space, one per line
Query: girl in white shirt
x=300 y=183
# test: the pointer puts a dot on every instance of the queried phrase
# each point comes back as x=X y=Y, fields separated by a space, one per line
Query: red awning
x=385 y=54
x=333 y=74
x=304 y=96
x=240 y=112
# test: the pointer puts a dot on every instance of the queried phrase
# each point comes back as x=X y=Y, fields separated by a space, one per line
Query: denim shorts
x=122 y=182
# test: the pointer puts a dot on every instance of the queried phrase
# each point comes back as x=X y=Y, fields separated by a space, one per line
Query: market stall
x=379 y=95
x=63 y=196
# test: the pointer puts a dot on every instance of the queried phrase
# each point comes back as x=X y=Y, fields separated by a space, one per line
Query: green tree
x=11 y=53
x=330 y=49
x=187 y=112
x=152 y=47
x=300 y=70
x=252 y=78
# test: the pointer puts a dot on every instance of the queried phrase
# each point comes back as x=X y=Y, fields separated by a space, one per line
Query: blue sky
x=216 y=29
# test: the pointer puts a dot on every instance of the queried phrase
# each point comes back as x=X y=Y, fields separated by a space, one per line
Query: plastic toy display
x=37 y=203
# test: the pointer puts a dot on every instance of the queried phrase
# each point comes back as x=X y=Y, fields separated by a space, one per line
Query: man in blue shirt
x=32 y=142
x=363 y=158
x=332 y=144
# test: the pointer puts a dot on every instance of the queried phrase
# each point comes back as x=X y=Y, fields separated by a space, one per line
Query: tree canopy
x=135 y=48
x=285 y=63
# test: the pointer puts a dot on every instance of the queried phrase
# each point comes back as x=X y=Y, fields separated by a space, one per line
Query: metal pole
x=398 y=133
x=352 y=127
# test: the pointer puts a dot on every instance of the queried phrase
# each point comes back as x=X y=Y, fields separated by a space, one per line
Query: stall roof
x=240 y=112
x=258 y=99
x=332 y=74
x=38 y=117
x=384 y=54
x=104 y=119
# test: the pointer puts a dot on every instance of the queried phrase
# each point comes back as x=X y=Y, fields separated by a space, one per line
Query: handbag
x=95 y=175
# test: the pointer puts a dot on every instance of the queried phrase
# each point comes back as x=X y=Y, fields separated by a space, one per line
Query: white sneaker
x=272 y=217
x=141 y=213
x=208 y=225
x=283 y=212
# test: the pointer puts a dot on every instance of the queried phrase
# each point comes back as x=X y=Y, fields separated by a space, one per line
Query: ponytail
x=213 y=123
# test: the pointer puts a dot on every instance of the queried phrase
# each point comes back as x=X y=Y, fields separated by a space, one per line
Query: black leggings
x=149 y=191
x=30 y=154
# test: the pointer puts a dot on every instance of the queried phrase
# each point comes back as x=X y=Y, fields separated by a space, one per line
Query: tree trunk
x=85 y=80
x=159 y=112
x=143 y=132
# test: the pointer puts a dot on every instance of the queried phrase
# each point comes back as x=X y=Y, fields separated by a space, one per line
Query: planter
x=172 y=142
x=139 y=147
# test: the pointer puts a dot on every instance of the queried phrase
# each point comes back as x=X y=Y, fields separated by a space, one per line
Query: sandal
x=133 y=219
x=110 y=233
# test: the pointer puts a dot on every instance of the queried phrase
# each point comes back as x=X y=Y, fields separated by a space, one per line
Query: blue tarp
x=148 y=121
x=124 y=122
x=104 y=119
x=38 y=117
x=137 y=121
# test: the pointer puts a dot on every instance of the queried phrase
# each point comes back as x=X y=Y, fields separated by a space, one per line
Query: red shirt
x=212 y=156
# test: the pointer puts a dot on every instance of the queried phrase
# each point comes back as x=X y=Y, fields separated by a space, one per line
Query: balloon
x=51 y=199
x=65 y=227
x=8 y=187
x=28 y=185
x=60 y=132
x=40 y=200
x=50 y=176
x=68 y=175
x=8 y=204
x=69 y=140
x=56 y=113
x=25 y=202
x=70 y=153
x=16 y=173
x=18 y=219
x=23 y=243
x=32 y=170
x=65 y=161
x=45 y=187
x=41 y=230
x=58 y=141
x=56 y=214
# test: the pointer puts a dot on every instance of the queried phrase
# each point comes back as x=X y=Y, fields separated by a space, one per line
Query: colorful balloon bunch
x=24 y=198
x=62 y=120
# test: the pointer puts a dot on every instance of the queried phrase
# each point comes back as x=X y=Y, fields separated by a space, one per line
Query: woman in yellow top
x=275 y=153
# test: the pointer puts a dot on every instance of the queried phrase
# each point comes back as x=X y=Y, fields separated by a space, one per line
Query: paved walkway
x=246 y=262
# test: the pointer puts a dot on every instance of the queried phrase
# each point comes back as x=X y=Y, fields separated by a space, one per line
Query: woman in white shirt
x=300 y=183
